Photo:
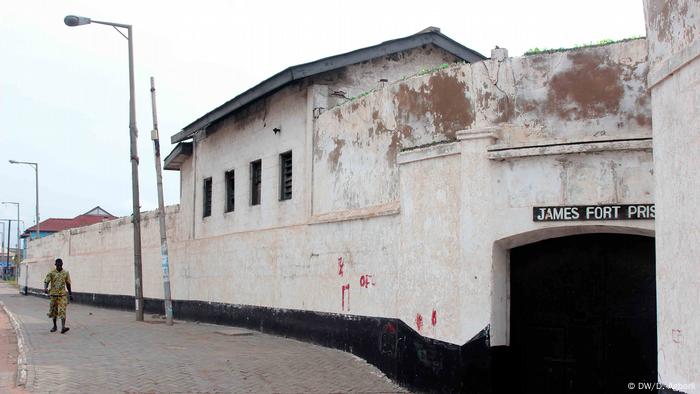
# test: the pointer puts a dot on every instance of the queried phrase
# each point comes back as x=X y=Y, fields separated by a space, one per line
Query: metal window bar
x=207 y=197
x=230 y=191
x=255 y=181
x=286 y=176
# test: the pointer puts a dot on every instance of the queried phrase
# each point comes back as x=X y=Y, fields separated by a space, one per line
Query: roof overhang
x=301 y=71
x=178 y=155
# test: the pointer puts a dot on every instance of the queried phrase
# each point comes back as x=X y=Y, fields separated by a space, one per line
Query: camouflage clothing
x=57 y=306
x=59 y=300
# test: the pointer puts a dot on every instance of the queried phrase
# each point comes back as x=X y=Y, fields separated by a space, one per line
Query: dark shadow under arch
x=583 y=313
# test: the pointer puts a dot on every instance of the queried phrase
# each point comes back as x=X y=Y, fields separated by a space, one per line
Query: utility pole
x=2 y=238
x=18 y=254
x=36 y=189
x=19 y=249
x=9 y=231
x=133 y=132
x=161 y=214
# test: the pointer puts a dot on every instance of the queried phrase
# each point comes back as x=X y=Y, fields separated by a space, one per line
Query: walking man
x=59 y=279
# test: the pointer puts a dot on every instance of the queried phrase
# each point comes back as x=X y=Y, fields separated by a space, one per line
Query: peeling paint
x=453 y=110
x=505 y=107
x=334 y=155
x=590 y=88
x=444 y=97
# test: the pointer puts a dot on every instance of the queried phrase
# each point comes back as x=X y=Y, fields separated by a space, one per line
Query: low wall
x=240 y=279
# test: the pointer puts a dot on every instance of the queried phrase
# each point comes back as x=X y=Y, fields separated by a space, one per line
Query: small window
x=286 y=176
x=255 y=180
x=230 y=190
x=207 y=198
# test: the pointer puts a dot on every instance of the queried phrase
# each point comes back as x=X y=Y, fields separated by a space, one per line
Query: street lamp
x=36 y=188
x=72 y=20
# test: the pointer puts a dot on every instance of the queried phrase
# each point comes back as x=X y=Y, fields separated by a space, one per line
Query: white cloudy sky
x=64 y=91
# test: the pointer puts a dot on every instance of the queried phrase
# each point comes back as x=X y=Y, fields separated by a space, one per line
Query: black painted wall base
x=412 y=360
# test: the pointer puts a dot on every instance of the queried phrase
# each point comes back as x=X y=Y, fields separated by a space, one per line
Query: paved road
x=107 y=351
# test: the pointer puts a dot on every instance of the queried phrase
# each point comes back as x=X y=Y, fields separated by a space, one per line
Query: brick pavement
x=8 y=356
x=107 y=351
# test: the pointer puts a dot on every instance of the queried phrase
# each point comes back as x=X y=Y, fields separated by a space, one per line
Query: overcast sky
x=64 y=91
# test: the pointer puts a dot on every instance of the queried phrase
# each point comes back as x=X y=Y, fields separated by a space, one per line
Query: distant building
x=7 y=265
x=54 y=225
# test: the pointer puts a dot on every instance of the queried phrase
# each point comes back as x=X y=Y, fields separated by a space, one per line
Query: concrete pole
x=72 y=20
x=4 y=270
x=19 y=249
x=2 y=238
x=36 y=184
x=161 y=214
x=133 y=132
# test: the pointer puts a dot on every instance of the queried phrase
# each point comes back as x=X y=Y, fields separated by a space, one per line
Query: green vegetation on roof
x=426 y=70
x=607 y=41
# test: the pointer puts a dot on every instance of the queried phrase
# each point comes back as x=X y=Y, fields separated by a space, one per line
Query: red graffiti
x=340 y=265
x=343 y=289
x=390 y=328
x=419 y=322
x=366 y=280
x=433 y=319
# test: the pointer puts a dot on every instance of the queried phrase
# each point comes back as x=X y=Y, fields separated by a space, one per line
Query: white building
x=462 y=223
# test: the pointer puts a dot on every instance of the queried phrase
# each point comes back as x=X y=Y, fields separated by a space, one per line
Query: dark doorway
x=583 y=314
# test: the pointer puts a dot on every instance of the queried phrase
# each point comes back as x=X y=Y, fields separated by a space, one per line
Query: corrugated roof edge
x=183 y=148
x=301 y=71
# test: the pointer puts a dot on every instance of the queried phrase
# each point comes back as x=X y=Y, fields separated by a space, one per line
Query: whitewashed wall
x=674 y=81
x=412 y=215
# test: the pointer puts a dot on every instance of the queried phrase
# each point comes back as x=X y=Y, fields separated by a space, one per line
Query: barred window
x=255 y=180
x=230 y=190
x=286 y=176
x=207 y=198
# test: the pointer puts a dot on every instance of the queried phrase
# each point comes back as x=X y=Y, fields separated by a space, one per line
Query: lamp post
x=72 y=20
x=36 y=188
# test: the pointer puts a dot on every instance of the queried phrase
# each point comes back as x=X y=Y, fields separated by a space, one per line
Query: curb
x=22 y=356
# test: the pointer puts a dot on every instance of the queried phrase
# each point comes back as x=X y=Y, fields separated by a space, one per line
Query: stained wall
x=674 y=81
x=401 y=197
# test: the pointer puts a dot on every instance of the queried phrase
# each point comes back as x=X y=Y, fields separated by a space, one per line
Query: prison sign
x=572 y=213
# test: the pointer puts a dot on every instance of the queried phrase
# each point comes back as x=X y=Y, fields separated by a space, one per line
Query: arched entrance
x=583 y=313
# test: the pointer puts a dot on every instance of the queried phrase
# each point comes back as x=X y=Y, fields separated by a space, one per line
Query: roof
x=175 y=159
x=428 y=36
x=98 y=211
x=53 y=225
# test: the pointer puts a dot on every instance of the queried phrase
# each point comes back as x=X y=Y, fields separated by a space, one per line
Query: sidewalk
x=8 y=356
x=107 y=351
